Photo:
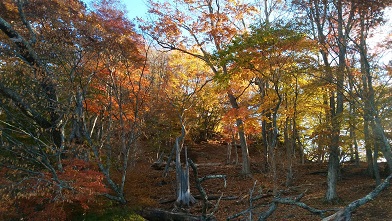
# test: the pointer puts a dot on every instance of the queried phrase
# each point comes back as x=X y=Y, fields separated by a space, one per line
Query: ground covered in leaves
x=147 y=188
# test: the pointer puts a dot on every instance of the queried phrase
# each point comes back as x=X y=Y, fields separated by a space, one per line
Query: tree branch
x=24 y=107
x=345 y=214
x=26 y=51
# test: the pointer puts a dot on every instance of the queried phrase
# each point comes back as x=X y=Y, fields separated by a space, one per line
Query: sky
x=138 y=8
x=135 y=8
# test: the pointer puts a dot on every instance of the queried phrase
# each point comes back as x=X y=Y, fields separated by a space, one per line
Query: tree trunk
x=289 y=139
x=273 y=140
x=289 y=153
x=370 y=109
x=228 y=156
x=265 y=126
x=184 y=197
x=264 y=132
x=382 y=141
x=353 y=121
x=241 y=134
x=369 y=152
x=332 y=178
x=333 y=164
x=375 y=165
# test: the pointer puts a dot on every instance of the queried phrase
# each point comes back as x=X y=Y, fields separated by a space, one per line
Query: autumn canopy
x=87 y=96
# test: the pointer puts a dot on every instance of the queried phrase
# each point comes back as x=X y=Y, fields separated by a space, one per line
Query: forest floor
x=148 y=189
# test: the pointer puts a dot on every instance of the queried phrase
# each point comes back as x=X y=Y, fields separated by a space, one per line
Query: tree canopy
x=84 y=92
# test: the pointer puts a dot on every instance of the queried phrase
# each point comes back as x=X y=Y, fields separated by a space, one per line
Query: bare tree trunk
x=289 y=142
x=352 y=120
x=371 y=112
x=289 y=153
x=375 y=165
x=382 y=141
x=241 y=134
x=184 y=196
x=229 y=148
x=274 y=138
x=264 y=133
x=264 y=124
x=369 y=153
x=333 y=165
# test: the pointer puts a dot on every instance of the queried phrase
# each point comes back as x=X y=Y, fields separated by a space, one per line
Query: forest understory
x=148 y=189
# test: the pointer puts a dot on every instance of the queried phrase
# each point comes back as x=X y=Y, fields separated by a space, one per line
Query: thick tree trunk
x=382 y=141
x=332 y=178
x=333 y=164
x=368 y=146
x=370 y=109
x=375 y=165
x=241 y=134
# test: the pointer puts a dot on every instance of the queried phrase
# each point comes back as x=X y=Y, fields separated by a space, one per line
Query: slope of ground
x=148 y=188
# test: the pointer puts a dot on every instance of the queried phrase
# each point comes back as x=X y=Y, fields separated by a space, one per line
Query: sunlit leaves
x=202 y=24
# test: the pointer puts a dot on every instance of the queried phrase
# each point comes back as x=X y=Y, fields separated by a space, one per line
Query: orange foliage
x=251 y=124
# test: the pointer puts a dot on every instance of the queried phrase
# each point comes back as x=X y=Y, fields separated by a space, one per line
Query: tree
x=186 y=77
x=117 y=103
x=272 y=56
x=198 y=28
x=324 y=16
x=367 y=21
x=80 y=87
x=333 y=23
x=37 y=39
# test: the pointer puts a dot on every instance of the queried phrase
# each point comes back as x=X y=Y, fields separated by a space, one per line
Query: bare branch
x=26 y=23
x=345 y=214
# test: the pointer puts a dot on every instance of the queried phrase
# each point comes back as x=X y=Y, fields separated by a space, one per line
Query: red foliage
x=44 y=198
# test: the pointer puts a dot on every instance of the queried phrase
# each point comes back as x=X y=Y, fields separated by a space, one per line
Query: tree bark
x=336 y=112
x=184 y=197
x=241 y=134
x=370 y=109
x=368 y=145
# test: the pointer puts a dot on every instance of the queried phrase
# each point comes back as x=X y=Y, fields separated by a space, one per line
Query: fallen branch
x=162 y=215
x=274 y=205
x=217 y=197
x=302 y=205
x=203 y=192
x=252 y=207
x=200 y=197
x=341 y=214
x=345 y=213
x=242 y=212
